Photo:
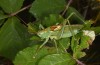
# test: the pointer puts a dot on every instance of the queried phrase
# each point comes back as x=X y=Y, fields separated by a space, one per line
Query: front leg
x=46 y=40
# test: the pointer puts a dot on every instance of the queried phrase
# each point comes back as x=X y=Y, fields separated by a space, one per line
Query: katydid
x=64 y=31
x=54 y=34
x=57 y=32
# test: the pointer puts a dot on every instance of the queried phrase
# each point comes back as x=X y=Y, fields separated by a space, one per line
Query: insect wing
x=70 y=32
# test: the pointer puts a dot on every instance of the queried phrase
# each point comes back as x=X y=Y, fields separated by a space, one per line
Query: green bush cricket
x=57 y=32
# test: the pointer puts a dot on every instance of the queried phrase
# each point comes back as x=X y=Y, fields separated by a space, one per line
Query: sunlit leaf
x=57 y=59
x=26 y=56
x=74 y=42
x=64 y=43
x=79 y=54
x=78 y=44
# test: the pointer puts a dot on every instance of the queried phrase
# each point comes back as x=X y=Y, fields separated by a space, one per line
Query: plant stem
x=26 y=7
x=79 y=62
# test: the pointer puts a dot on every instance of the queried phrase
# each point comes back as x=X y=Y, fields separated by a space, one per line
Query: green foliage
x=57 y=59
x=26 y=56
x=13 y=37
x=42 y=8
x=96 y=29
x=78 y=18
x=51 y=20
x=10 y=6
x=2 y=16
x=79 y=43
x=64 y=43
x=45 y=41
x=32 y=28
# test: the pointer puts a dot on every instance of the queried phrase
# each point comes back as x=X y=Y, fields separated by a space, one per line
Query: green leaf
x=96 y=29
x=64 y=43
x=35 y=37
x=75 y=41
x=78 y=43
x=84 y=42
x=2 y=16
x=52 y=20
x=79 y=54
x=10 y=6
x=57 y=59
x=43 y=8
x=76 y=16
x=25 y=57
x=13 y=38
x=87 y=24
x=1 y=22
x=32 y=28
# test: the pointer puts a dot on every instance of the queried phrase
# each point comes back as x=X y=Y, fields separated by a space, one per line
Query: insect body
x=54 y=32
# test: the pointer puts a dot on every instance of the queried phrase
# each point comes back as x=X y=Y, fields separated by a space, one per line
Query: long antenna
x=70 y=1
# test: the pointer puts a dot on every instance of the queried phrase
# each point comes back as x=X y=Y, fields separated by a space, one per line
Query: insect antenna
x=70 y=1
x=22 y=20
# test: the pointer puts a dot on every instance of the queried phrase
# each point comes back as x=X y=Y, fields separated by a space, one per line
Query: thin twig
x=22 y=20
x=97 y=17
x=85 y=12
x=79 y=62
x=70 y=1
x=13 y=14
